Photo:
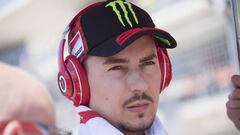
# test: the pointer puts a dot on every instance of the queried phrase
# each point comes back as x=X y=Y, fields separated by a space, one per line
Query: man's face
x=125 y=87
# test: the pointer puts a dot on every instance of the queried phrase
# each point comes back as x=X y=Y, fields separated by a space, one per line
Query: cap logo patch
x=77 y=45
x=165 y=41
x=124 y=6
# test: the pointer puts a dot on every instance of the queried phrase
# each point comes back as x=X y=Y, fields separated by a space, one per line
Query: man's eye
x=148 y=63
x=115 y=68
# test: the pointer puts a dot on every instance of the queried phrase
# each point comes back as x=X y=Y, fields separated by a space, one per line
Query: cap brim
x=112 y=46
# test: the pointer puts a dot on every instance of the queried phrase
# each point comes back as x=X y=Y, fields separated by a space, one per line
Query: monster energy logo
x=124 y=9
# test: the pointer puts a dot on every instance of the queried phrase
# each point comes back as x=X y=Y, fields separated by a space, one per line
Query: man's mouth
x=138 y=106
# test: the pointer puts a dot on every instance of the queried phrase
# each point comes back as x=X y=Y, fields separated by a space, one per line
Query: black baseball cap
x=105 y=28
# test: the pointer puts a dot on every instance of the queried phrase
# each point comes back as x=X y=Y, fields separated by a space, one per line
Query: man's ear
x=13 y=128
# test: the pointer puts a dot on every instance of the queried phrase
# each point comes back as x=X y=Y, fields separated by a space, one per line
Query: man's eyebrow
x=147 y=58
x=113 y=60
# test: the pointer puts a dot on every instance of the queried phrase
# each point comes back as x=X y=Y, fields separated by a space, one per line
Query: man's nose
x=136 y=82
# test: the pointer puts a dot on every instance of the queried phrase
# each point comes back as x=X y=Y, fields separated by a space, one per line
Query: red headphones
x=72 y=77
x=165 y=67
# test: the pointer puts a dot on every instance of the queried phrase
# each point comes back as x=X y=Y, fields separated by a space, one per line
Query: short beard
x=127 y=127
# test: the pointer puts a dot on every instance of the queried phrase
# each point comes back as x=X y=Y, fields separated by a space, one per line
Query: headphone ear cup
x=168 y=69
x=165 y=68
x=81 y=91
x=65 y=82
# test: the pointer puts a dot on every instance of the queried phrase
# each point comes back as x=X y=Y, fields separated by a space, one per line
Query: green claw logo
x=124 y=6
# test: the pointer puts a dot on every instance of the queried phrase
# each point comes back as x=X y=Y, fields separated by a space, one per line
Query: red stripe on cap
x=126 y=35
x=153 y=29
x=87 y=115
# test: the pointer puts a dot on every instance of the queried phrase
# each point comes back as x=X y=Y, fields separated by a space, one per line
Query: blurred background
x=203 y=62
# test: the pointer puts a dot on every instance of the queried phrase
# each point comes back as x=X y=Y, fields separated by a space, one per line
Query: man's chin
x=135 y=127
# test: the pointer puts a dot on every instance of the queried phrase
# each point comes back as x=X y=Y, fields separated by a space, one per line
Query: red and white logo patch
x=77 y=45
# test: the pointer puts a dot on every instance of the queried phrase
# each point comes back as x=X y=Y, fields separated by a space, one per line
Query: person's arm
x=233 y=104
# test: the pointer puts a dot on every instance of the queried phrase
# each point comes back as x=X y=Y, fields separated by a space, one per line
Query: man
x=118 y=65
x=26 y=107
x=233 y=104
